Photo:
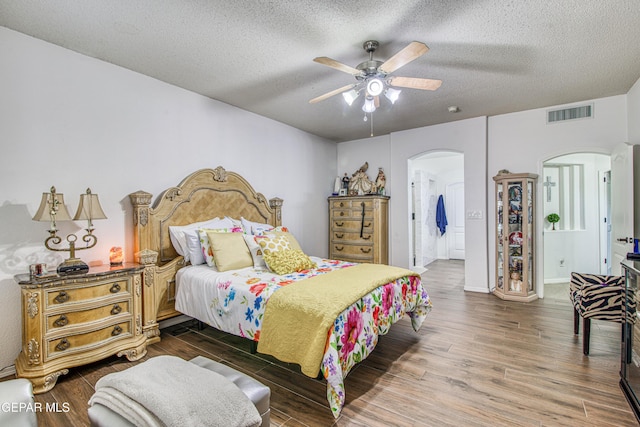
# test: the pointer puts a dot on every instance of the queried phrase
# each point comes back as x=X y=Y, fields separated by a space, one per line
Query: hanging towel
x=441 y=216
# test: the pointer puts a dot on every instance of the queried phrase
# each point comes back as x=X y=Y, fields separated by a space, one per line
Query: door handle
x=625 y=239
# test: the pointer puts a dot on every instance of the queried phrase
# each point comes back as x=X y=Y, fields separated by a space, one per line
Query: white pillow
x=235 y=222
x=194 y=249
x=250 y=226
x=178 y=237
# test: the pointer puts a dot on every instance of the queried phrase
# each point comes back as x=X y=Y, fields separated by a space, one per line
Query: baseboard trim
x=557 y=280
x=8 y=371
x=482 y=290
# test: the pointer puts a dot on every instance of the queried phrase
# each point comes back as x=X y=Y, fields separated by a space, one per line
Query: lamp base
x=72 y=266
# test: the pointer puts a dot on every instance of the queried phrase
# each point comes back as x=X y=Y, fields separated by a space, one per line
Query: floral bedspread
x=236 y=303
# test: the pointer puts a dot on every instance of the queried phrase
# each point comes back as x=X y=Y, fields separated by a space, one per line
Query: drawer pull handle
x=62 y=297
x=368 y=225
x=116 y=309
x=341 y=213
x=61 y=321
x=339 y=224
x=117 y=330
x=339 y=236
x=365 y=251
x=339 y=248
x=341 y=204
x=366 y=237
x=63 y=344
x=115 y=288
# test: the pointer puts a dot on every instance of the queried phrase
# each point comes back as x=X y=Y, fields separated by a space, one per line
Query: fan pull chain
x=366 y=119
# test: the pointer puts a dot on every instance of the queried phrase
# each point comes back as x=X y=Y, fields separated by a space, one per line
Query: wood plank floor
x=477 y=361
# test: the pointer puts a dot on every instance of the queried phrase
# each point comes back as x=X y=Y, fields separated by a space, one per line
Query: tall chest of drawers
x=69 y=321
x=359 y=228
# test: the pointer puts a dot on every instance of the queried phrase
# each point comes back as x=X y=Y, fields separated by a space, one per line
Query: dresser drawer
x=351 y=251
x=352 y=237
x=79 y=293
x=351 y=226
x=85 y=341
x=56 y=322
x=350 y=203
x=351 y=214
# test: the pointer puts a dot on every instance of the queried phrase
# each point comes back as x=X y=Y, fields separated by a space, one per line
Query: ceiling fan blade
x=337 y=65
x=333 y=92
x=412 y=51
x=415 y=83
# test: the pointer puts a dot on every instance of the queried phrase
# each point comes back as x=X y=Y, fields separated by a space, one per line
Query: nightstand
x=73 y=320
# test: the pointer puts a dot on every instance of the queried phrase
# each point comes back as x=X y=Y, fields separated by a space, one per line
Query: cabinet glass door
x=515 y=236
x=499 y=242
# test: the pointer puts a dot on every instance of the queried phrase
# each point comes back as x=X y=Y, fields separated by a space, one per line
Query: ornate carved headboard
x=204 y=194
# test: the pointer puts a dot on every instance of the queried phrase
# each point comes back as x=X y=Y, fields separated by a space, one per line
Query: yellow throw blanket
x=298 y=316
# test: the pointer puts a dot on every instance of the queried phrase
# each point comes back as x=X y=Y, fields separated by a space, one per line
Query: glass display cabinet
x=515 y=255
x=630 y=357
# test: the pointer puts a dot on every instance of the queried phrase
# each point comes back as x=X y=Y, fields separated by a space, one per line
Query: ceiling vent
x=581 y=112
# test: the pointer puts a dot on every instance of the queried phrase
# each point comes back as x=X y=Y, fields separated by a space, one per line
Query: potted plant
x=553 y=218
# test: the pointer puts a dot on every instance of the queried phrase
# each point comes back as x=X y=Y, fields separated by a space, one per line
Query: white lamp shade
x=369 y=105
x=89 y=207
x=350 y=96
x=52 y=208
x=392 y=94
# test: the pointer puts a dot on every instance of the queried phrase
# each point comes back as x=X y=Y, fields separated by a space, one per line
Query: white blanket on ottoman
x=169 y=391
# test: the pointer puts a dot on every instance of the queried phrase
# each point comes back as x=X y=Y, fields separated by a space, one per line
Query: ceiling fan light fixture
x=392 y=94
x=350 y=96
x=369 y=105
x=375 y=86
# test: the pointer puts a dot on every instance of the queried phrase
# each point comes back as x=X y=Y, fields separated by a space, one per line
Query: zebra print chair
x=595 y=296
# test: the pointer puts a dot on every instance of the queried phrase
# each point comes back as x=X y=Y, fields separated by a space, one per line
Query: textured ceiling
x=493 y=56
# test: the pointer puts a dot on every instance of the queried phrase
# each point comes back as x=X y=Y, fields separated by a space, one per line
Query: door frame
x=539 y=234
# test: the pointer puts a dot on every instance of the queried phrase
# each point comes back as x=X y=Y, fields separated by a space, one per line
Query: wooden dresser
x=359 y=228
x=72 y=320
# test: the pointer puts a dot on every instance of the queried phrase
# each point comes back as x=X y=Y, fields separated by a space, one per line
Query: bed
x=325 y=315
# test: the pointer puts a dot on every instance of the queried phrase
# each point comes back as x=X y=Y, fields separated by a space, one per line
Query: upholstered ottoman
x=16 y=398
x=259 y=394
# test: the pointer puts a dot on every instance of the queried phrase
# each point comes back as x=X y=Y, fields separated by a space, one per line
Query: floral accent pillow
x=288 y=261
x=207 y=249
x=256 y=252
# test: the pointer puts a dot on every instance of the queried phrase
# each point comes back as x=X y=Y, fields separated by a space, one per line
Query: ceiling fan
x=374 y=77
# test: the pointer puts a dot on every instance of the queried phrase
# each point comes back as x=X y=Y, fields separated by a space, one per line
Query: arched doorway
x=576 y=187
x=437 y=193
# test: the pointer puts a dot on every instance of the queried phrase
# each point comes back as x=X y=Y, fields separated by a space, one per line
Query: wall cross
x=549 y=184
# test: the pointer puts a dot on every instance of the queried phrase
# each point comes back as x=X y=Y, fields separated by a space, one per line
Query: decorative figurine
x=515 y=284
x=360 y=183
x=345 y=182
x=381 y=181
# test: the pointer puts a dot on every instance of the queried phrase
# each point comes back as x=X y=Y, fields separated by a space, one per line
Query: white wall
x=521 y=142
x=465 y=136
x=76 y=122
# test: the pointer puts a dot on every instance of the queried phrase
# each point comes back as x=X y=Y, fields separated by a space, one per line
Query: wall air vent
x=581 y=112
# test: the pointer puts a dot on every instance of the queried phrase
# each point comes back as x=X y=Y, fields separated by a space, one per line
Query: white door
x=454 y=207
x=621 y=205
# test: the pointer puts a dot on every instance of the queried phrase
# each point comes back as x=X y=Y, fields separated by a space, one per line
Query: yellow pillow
x=230 y=251
x=273 y=243
x=287 y=261
x=293 y=243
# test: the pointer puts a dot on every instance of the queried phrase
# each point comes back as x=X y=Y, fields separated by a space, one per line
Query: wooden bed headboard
x=204 y=194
